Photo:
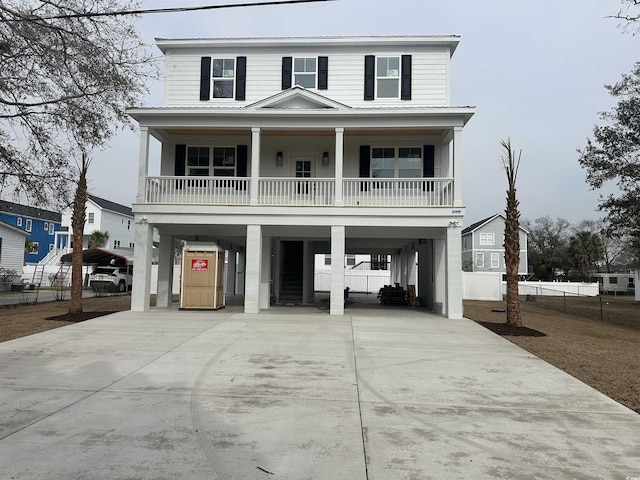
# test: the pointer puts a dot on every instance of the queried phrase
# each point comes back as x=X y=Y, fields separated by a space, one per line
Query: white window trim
x=28 y=225
x=91 y=218
x=293 y=71
x=19 y=222
x=396 y=160
x=378 y=77
x=211 y=167
x=52 y=229
x=479 y=256
x=224 y=79
x=495 y=260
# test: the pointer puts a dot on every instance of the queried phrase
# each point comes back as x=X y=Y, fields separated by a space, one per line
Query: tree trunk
x=77 y=226
x=512 y=258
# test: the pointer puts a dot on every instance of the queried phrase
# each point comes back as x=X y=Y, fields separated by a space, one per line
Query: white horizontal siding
x=345 y=83
x=12 y=249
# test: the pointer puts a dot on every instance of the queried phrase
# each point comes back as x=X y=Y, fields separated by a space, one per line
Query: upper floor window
x=495 y=260
x=388 y=77
x=27 y=225
x=116 y=244
x=211 y=161
x=487 y=239
x=223 y=70
x=91 y=217
x=390 y=162
x=19 y=222
x=46 y=226
x=304 y=72
x=128 y=224
x=52 y=228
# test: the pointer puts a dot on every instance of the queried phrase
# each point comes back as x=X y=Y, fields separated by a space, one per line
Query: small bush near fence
x=619 y=310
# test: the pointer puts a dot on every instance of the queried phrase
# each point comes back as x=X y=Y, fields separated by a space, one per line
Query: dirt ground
x=602 y=355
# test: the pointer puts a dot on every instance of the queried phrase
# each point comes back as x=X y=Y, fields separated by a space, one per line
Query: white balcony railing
x=303 y=192
x=198 y=190
x=306 y=192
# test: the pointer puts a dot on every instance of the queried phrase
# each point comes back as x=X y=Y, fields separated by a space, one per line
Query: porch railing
x=357 y=192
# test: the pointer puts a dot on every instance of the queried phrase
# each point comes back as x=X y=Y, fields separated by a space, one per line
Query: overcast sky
x=534 y=69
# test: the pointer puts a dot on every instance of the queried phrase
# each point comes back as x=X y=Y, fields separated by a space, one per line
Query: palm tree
x=511 y=163
x=77 y=226
x=98 y=239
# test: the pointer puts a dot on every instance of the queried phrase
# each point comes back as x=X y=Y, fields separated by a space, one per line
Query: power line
x=158 y=10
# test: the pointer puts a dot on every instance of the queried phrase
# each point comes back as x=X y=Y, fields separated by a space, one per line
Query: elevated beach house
x=277 y=149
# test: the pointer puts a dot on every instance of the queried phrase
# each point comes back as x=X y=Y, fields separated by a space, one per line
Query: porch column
x=230 y=281
x=439 y=269
x=336 y=299
x=241 y=272
x=143 y=164
x=265 y=274
x=252 y=269
x=141 y=290
x=255 y=166
x=457 y=163
x=454 y=271
x=339 y=165
x=164 y=296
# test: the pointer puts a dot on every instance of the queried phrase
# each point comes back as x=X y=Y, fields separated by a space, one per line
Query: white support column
x=141 y=291
x=454 y=271
x=241 y=272
x=456 y=164
x=255 y=166
x=339 y=165
x=308 y=272
x=265 y=274
x=336 y=300
x=439 y=270
x=252 y=269
x=164 y=297
x=230 y=281
x=143 y=164
x=411 y=267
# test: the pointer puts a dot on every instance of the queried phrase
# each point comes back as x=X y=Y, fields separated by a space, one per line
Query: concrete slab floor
x=377 y=394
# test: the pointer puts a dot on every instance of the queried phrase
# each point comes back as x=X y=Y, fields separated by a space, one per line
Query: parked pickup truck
x=111 y=279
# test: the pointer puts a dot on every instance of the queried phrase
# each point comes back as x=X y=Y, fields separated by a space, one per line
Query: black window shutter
x=428 y=161
x=242 y=154
x=428 y=165
x=181 y=161
x=241 y=78
x=369 y=76
x=287 y=68
x=405 y=89
x=365 y=164
x=323 y=73
x=205 y=78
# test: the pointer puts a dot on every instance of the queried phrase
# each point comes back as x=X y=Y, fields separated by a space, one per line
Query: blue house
x=40 y=226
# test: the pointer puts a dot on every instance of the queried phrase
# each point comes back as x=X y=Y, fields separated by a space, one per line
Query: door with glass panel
x=303 y=169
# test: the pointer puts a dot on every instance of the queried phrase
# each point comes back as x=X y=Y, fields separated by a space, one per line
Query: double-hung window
x=388 y=77
x=480 y=260
x=211 y=161
x=391 y=162
x=223 y=77
x=487 y=239
x=27 y=225
x=495 y=260
x=304 y=71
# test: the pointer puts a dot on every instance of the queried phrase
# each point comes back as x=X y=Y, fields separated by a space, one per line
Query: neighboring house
x=278 y=149
x=11 y=247
x=39 y=225
x=616 y=283
x=483 y=246
x=104 y=216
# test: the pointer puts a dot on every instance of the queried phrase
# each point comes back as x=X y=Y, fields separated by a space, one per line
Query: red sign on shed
x=199 y=264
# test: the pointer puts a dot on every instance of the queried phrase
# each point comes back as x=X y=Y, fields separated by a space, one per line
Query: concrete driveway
x=379 y=394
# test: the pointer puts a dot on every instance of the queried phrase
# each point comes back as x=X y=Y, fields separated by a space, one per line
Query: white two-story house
x=278 y=149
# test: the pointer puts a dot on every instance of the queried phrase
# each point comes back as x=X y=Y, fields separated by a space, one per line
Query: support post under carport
x=337 y=270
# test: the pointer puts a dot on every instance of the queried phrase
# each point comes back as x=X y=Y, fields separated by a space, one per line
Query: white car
x=111 y=279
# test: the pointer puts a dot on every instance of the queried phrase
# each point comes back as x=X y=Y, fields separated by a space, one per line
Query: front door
x=304 y=168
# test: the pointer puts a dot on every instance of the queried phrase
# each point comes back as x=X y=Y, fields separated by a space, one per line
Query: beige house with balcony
x=278 y=149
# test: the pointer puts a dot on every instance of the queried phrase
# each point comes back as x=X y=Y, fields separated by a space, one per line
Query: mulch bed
x=79 y=317
x=505 y=330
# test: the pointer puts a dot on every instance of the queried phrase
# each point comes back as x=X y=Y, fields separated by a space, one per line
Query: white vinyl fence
x=489 y=286
x=357 y=280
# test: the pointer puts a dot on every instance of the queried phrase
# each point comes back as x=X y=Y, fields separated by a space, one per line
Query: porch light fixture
x=278 y=159
x=325 y=159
